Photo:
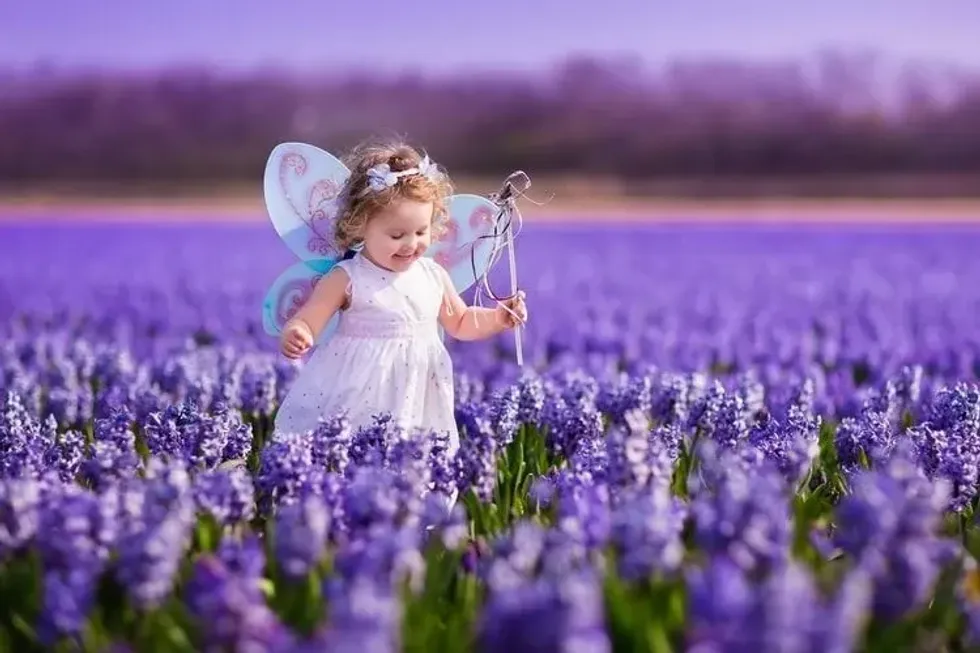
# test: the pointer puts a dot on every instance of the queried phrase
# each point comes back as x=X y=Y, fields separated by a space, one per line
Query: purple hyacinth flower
x=155 y=537
x=20 y=501
x=225 y=494
x=230 y=611
x=546 y=614
x=300 y=539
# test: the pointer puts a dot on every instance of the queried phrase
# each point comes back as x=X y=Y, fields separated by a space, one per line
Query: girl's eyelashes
x=399 y=236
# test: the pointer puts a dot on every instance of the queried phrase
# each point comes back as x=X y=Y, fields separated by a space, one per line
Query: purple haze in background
x=389 y=34
x=676 y=297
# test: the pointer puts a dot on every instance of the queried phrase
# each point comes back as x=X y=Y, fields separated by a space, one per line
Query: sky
x=449 y=35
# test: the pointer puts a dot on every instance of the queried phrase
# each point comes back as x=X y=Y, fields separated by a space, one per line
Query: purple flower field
x=724 y=439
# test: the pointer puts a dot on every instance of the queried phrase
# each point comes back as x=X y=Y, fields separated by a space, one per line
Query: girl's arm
x=466 y=322
x=328 y=296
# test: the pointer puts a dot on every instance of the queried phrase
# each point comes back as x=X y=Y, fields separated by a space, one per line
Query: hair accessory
x=380 y=177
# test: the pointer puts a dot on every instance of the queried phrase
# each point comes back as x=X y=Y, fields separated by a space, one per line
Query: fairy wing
x=301 y=185
x=290 y=291
x=469 y=240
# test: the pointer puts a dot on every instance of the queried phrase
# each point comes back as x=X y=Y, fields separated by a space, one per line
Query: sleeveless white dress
x=387 y=355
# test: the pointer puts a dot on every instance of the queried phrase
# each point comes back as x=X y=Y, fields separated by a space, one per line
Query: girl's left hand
x=513 y=312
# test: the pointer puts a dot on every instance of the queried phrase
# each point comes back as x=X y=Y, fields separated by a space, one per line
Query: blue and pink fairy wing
x=290 y=291
x=301 y=187
x=468 y=239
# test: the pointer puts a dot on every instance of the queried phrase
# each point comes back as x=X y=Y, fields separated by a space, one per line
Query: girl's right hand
x=513 y=312
x=296 y=340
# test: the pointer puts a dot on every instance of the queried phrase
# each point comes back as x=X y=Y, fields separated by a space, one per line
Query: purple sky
x=404 y=34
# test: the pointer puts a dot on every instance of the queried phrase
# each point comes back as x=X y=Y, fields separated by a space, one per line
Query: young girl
x=386 y=354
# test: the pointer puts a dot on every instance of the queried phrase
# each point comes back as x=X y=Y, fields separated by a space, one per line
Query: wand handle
x=513 y=290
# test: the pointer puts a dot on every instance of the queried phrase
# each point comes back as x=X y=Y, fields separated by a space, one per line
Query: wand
x=505 y=199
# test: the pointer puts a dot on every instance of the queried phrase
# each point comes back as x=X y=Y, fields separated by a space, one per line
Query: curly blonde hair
x=356 y=210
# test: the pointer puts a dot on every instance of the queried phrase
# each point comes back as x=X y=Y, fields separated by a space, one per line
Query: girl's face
x=399 y=234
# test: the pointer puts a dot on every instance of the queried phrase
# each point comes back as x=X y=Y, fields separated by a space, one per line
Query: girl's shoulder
x=351 y=263
x=344 y=269
x=347 y=265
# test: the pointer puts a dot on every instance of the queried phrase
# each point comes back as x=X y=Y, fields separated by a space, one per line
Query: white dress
x=386 y=355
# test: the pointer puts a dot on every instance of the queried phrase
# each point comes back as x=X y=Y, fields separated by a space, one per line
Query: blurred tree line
x=831 y=116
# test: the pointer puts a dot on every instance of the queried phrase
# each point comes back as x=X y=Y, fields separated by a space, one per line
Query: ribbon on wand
x=507 y=216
